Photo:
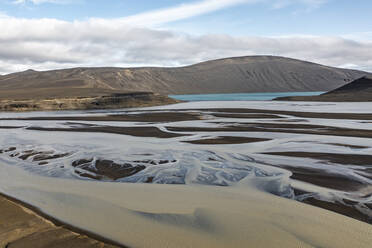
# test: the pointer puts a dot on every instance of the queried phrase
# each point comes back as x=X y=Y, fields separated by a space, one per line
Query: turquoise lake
x=241 y=96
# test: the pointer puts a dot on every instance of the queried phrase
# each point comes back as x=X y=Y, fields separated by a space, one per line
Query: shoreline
x=56 y=224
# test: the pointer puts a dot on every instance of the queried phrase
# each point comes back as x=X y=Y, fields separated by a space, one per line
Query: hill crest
x=230 y=75
x=359 y=90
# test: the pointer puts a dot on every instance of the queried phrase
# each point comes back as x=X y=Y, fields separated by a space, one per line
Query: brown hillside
x=231 y=75
x=359 y=90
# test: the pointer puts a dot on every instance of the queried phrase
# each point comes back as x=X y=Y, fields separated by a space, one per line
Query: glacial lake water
x=267 y=96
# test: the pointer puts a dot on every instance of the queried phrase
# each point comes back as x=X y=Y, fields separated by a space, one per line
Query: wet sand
x=139 y=117
x=345 y=159
x=337 y=144
x=350 y=210
x=133 y=131
x=167 y=115
x=307 y=114
x=106 y=168
x=228 y=127
x=226 y=140
x=268 y=113
x=247 y=116
x=278 y=128
x=186 y=215
x=324 y=178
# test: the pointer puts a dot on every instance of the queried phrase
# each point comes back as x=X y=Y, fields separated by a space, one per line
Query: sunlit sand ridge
x=141 y=215
x=225 y=167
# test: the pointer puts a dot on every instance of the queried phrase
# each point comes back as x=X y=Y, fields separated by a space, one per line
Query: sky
x=53 y=34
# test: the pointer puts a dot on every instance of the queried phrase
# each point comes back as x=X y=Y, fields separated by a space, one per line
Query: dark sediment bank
x=25 y=226
x=167 y=115
x=321 y=115
x=225 y=140
x=324 y=178
x=278 y=128
x=247 y=116
x=350 y=210
x=335 y=144
x=111 y=101
x=228 y=127
x=133 y=131
x=141 y=117
x=106 y=169
x=344 y=159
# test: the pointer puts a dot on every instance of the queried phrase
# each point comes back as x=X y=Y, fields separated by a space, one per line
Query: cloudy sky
x=50 y=34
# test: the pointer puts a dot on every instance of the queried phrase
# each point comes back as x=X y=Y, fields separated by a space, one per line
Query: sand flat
x=140 y=215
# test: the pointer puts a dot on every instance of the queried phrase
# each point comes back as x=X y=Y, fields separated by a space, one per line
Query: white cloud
x=51 y=43
x=182 y=11
x=187 y=10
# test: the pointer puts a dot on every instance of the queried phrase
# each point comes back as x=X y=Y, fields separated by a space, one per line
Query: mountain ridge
x=228 y=75
x=359 y=90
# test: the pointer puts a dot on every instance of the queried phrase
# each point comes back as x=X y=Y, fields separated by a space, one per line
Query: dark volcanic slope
x=231 y=75
x=359 y=90
x=360 y=86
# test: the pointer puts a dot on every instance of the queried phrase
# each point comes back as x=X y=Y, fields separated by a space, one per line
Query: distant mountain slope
x=360 y=90
x=231 y=75
x=360 y=86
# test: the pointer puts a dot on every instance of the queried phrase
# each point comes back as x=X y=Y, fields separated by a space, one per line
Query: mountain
x=359 y=90
x=230 y=75
x=360 y=86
